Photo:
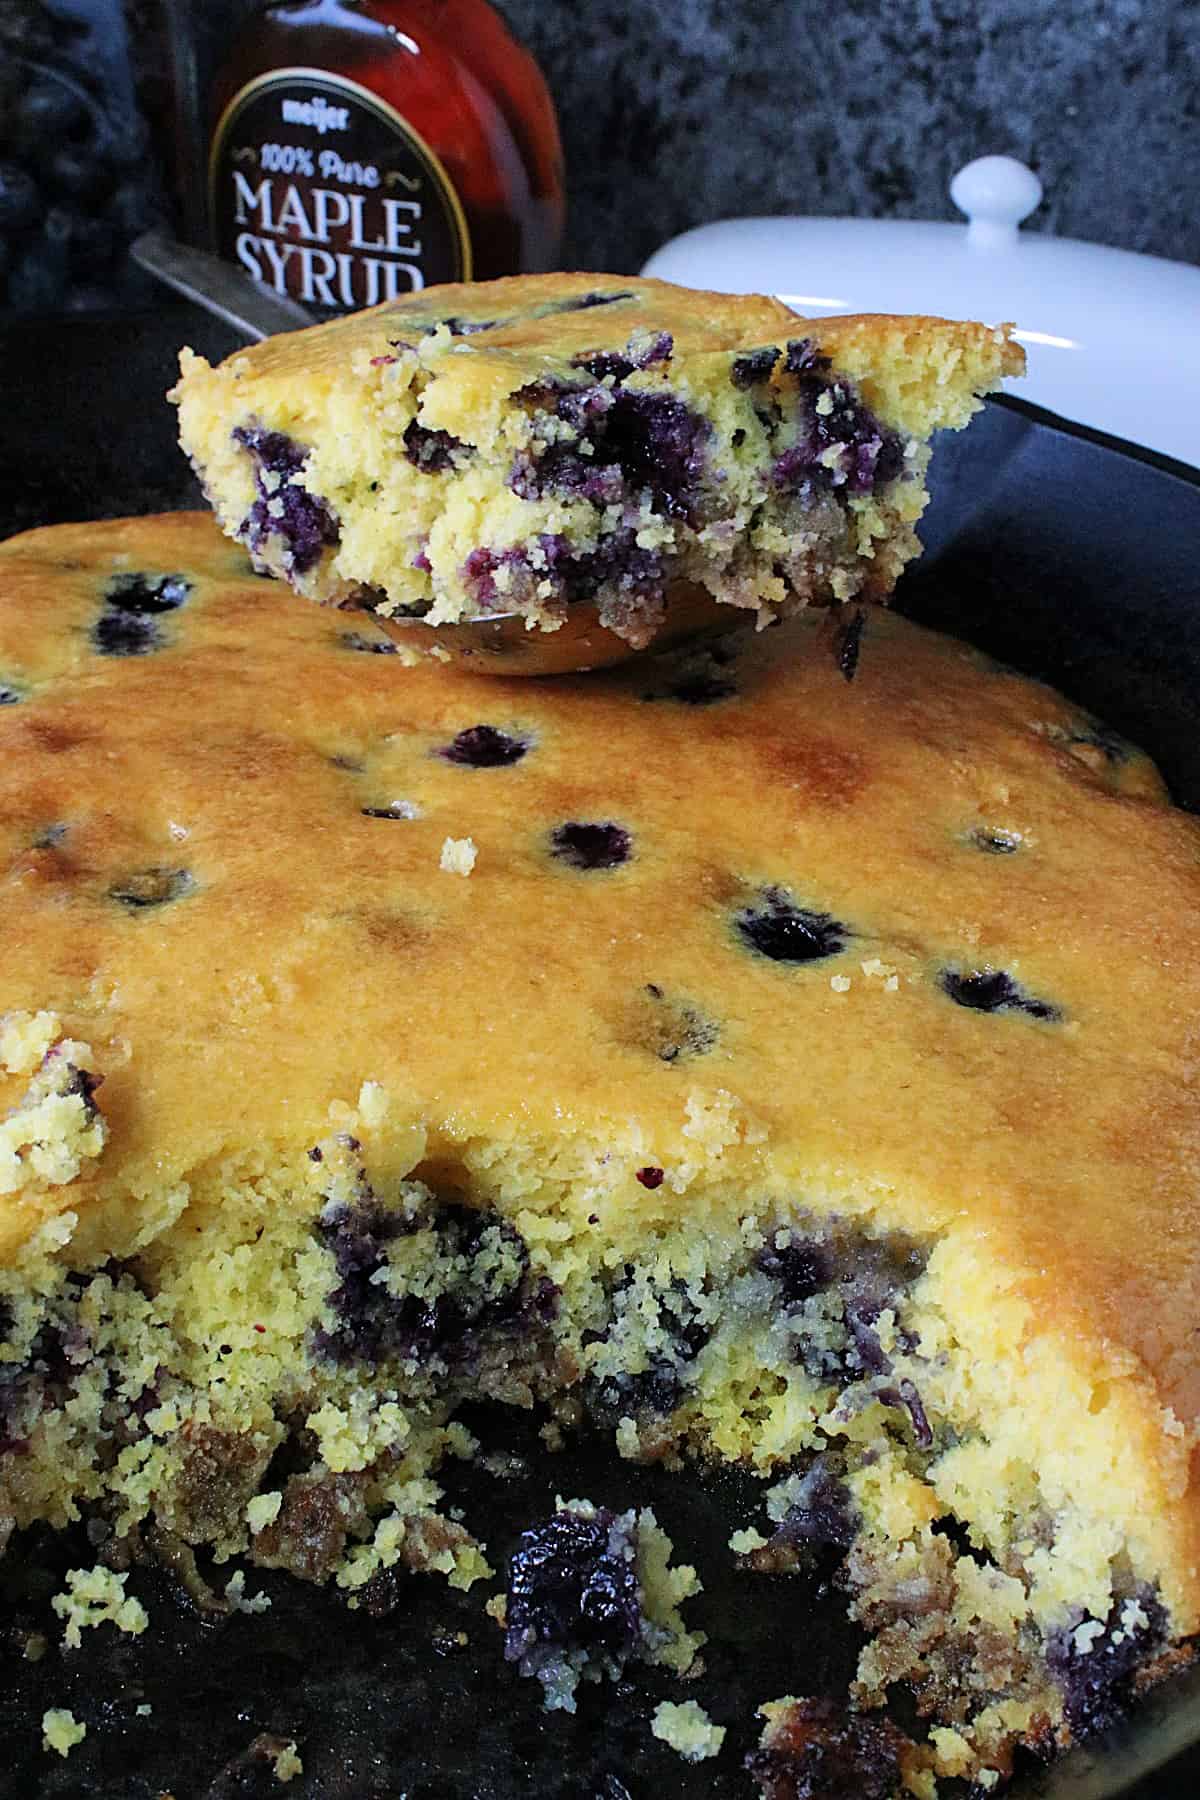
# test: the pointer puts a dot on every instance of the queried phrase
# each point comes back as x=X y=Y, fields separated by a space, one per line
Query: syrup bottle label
x=320 y=189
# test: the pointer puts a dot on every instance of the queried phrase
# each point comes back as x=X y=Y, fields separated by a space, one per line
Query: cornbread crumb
x=840 y=984
x=460 y=1442
x=717 y=1120
x=97 y=1597
x=664 y=1589
x=954 y=1754
x=469 y=1566
x=239 y=1600
x=458 y=856
x=55 y=1127
x=688 y=1729
x=288 y=1764
x=263 y=1510
x=61 y=1730
x=629 y=1444
x=25 y=1038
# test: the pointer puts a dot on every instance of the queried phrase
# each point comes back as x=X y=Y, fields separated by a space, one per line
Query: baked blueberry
x=672 y=1027
x=484 y=747
x=847 y=643
x=396 y=809
x=586 y=302
x=589 y=846
x=432 y=451
x=126 y=634
x=803 y=358
x=1095 y=1661
x=701 y=678
x=823 y=1511
x=996 y=840
x=152 y=887
x=993 y=990
x=802 y=1267
x=303 y=522
x=833 y=1290
x=782 y=931
x=641 y=352
x=702 y=688
x=369 y=646
x=573 y=1586
x=627 y=440
x=142 y=596
x=658 y=442
x=654 y=1392
x=906 y=1395
x=460 y=327
x=564 y=469
x=840 y=443
x=484 y=1286
x=820 y=1516
x=754 y=368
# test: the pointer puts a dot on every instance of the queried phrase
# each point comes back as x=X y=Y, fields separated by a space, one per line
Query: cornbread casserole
x=802 y=1074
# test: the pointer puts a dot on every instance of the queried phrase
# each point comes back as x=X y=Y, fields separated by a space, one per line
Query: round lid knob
x=996 y=193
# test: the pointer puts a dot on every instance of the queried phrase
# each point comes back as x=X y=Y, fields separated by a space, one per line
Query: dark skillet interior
x=1057 y=550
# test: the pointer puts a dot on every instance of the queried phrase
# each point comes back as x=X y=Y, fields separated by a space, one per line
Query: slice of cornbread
x=805 y=1075
x=519 y=446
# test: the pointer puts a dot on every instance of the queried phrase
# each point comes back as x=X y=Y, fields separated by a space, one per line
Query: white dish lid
x=1112 y=337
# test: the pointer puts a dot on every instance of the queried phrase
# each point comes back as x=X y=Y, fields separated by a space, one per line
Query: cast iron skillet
x=1061 y=551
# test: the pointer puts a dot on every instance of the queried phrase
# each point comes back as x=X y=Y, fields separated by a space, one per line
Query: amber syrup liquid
x=455 y=73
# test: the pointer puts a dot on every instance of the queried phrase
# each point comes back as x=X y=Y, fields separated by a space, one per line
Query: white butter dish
x=1112 y=337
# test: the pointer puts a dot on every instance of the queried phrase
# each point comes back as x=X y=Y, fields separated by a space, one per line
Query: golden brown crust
x=512 y=352
x=316 y=947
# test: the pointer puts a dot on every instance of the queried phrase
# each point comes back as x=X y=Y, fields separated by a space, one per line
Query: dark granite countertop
x=675 y=112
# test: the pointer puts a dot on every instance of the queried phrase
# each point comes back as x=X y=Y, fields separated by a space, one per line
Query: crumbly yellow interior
x=193 y=1364
x=406 y=537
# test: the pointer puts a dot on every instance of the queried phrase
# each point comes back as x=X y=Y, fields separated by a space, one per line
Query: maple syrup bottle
x=361 y=151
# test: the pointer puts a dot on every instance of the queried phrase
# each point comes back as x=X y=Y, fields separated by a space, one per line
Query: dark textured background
x=678 y=111
x=674 y=112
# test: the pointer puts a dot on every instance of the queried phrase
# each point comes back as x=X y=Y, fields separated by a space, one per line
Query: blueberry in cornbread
x=590 y=1591
x=810 y=1134
x=527 y=445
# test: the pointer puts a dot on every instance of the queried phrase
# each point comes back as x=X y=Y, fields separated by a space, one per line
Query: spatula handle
x=252 y=309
